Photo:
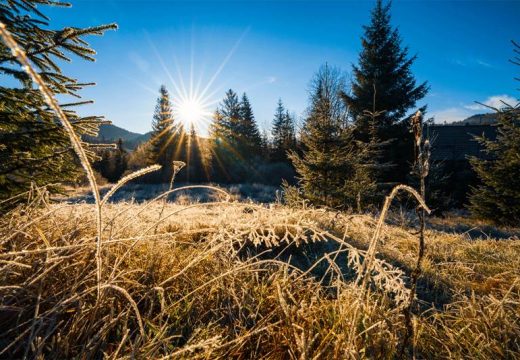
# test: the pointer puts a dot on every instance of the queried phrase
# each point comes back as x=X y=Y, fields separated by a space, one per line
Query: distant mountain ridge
x=478 y=119
x=109 y=133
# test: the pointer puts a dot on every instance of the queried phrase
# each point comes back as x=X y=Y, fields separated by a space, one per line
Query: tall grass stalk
x=421 y=170
x=368 y=265
x=177 y=166
x=364 y=276
x=128 y=178
x=50 y=99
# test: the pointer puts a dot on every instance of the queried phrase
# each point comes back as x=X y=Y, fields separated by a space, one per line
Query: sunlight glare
x=191 y=111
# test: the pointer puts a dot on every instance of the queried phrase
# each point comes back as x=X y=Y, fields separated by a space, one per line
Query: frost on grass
x=238 y=280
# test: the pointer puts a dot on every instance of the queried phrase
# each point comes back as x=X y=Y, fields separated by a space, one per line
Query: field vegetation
x=235 y=279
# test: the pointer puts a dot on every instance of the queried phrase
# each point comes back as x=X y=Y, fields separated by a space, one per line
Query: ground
x=235 y=279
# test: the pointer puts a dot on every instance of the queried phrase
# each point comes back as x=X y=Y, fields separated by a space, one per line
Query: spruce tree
x=33 y=146
x=498 y=197
x=223 y=138
x=383 y=83
x=283 y=133
x=250 y=139
x=265 y=145
x=236 y=141
x=333 y=169
x=194 y=163
x=229 y=122
x=168 y=137
x=383 y=80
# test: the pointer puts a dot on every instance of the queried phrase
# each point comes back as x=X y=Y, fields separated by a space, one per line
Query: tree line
x=236 y=150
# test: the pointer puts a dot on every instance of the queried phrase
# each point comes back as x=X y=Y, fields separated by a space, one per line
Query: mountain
x=109 y=133
x=479 y=119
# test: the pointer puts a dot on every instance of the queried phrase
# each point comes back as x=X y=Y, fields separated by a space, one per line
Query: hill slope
x=109 y=133
x=478 y=119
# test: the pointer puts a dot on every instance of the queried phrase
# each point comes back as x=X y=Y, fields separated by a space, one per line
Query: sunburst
x=194 y=104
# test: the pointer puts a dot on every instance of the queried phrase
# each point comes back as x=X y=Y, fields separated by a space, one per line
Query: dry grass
x=244 y=281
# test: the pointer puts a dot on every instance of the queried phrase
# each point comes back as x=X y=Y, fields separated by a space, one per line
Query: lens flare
x=191 y=111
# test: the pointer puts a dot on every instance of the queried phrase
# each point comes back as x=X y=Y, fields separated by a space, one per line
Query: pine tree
x=250 y=139
x=223 y=139
x=168 y=137
x=33 y=146
x=383 y=83
x=194 y=164
x=498 y=197
x=236 y=141
x=283 y=133
x=333 y=169
x=113 y=162
x=383 y=80
x=230 y=123
x=265 y=144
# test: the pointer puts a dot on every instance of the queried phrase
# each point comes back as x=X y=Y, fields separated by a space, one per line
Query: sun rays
x=192 y=111
x=194 y=93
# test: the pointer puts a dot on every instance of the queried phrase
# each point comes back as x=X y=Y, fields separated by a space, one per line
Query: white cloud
x=496 y=101
x=450 y=115
x=483 y=63
x=471 y=61
x=271 y=79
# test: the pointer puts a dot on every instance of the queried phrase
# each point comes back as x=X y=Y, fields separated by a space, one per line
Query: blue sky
x=270 y=49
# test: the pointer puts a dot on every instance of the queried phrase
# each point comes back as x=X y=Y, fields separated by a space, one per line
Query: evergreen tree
x=283 y=133
x=113 y=162
x=333 y=169
x=383 y=83
x=229 y=122
x=498 y=197
x=251 y=141
x=33 y=146
x=236 y=141
x=383 y=80
x=265 y=144
x=168 y=137
x=140 y=158
x=223 y=139
x=195 y=170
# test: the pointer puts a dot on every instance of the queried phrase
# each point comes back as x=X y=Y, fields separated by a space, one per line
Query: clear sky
x=270 y=49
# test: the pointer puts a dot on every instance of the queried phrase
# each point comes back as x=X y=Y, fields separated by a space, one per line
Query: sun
x=191 y=111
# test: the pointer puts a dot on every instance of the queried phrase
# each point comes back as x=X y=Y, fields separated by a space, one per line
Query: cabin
x=457 y=142
x=452 y=146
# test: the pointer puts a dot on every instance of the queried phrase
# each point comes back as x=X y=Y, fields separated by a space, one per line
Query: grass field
x=239 y=280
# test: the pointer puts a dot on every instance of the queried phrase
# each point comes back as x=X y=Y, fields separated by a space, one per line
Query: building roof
x=457 y=142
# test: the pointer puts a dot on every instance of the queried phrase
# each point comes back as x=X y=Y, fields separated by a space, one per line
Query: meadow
x=235 y=279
